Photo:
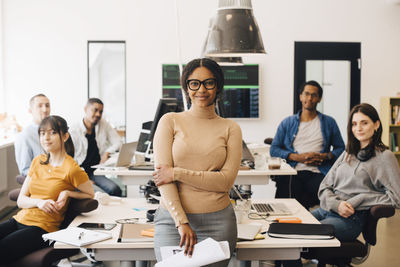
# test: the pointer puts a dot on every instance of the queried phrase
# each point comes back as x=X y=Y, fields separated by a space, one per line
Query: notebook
x=271 y=209
x=76 y=236
x=132 y=232
x=124 y=158
x=248 y=231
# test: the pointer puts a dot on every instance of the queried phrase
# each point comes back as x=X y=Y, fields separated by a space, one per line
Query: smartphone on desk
x=97 y=226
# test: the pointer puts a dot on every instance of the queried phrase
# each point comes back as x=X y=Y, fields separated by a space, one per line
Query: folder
x=301 y=230
x=76 y=236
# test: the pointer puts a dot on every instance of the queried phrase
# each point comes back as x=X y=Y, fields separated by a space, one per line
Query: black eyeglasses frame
x=200 y=83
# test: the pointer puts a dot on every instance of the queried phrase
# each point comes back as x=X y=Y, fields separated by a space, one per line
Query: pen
x=80 y=235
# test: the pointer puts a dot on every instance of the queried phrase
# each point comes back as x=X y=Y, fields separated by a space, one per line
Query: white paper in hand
x=205 y=252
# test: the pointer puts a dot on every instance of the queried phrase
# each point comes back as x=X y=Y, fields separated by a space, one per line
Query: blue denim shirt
x=27 y=146
x=282 y=145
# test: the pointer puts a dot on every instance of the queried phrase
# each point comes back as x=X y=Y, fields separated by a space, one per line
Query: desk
x=244 y=177
x=266 y=249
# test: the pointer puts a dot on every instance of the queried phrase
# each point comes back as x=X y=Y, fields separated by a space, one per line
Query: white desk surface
x=108 y=214
x=253 y=177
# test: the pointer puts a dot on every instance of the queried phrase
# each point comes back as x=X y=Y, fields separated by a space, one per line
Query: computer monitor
x=165 y=105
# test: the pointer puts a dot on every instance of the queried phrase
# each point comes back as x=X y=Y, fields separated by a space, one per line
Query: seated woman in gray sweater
x=366 y=174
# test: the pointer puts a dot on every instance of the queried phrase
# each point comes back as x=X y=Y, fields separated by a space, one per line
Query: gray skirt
x=220 y=226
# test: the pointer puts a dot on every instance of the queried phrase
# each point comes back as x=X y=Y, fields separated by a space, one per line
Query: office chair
x=13 y=194
x=354 y=251
x=268 y=140
x=46 y=257
x=20 y=178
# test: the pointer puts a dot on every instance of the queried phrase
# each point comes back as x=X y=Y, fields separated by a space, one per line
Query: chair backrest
x=268 y=140
x=75 y=207
x=13 y=194
x=20 y=178
x=376 y=212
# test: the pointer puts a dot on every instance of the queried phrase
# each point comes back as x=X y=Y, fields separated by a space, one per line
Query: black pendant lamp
x=233 y=31
x=228 y=61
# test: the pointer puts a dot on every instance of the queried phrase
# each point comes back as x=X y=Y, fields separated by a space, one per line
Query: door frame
x=304 y=51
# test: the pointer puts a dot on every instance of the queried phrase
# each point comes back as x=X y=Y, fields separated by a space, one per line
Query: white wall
x=45 y=49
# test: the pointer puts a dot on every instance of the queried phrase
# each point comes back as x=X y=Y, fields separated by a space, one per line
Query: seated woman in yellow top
x=52 y=179
x=197 y=156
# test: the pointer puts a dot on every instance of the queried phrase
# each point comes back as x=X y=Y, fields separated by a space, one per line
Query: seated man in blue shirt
x=310 y=142
x=27 y=144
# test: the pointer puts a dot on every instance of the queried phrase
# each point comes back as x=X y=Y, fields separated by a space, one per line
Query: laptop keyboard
x=142 y=167
x=263 y=207
x=271 y=208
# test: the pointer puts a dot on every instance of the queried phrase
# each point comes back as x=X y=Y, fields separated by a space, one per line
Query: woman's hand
x=188 y=237
x=163 y=174
x=47 y=205
x=345 y=209
x=62 y=199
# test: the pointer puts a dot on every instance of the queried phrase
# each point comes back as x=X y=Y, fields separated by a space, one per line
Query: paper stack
x=205 y=252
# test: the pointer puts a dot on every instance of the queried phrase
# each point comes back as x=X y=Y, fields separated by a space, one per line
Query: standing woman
x=366 y=174
x=52 y=179
x=197 y=157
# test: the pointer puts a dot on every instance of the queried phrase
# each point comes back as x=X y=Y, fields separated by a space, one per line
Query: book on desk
x=136 y=232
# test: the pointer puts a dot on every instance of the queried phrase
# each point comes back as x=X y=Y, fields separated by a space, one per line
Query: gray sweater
x=362 y=184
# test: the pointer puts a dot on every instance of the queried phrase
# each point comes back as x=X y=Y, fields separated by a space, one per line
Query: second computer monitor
x=165 y=105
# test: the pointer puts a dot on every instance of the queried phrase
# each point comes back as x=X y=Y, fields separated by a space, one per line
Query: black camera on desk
x=150 y=191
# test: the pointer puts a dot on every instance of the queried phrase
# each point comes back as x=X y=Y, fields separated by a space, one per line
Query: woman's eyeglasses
x=195 y=84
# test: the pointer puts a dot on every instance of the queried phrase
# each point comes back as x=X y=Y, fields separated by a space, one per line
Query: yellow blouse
x=46 y=183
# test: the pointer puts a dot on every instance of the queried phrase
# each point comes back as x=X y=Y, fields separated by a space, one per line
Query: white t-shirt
x=308 y=139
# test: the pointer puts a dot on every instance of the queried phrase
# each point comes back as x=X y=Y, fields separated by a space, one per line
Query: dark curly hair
x=212 y=66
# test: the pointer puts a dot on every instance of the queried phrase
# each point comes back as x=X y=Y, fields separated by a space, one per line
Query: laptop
x=271 y=209
x=123 y=159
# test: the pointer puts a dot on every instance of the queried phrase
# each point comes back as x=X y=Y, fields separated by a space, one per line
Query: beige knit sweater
x=205 y=151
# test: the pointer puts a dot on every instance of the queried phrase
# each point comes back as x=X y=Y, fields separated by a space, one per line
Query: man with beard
x=27 y=145
x=310 y=142
x=94 y=139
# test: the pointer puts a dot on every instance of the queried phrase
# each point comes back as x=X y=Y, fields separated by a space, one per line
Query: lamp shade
x=233 y=31
x=228 y=61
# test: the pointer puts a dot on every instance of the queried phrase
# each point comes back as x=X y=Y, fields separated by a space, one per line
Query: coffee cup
x=260 y=160
x=242 y=209
x=274 y=163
